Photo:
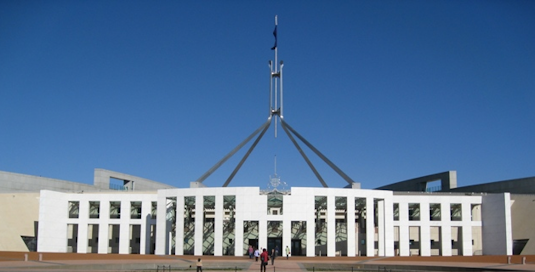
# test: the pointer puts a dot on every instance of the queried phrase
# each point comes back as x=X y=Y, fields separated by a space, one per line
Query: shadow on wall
x=31 y=241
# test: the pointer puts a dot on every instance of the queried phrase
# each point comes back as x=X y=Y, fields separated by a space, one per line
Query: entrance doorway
x=254 y=243
x=273 y=243
x=295 y=248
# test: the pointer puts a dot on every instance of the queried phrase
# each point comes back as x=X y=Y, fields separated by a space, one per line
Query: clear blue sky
x=387 y=90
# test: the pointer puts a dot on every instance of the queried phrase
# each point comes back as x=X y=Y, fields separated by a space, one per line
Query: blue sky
x=387 y=90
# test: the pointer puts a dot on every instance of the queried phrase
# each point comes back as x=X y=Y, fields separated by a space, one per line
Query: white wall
x=54 y=217
x=445 y=223
x=251 y=205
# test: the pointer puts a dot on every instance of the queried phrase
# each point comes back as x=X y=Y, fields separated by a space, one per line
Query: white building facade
x=310 y=221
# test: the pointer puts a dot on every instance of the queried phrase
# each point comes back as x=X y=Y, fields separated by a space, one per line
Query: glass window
x=414 y=211
x=135 y=210
x=154 y=209
x=94 y=209
x=274 y=203
x=456 y=212
x=434 y=212
x=74 y=209
x=396 y=211
x=115 y=209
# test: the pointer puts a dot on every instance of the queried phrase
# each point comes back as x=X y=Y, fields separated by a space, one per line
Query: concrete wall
x=523 y=220
x=19 y=205
x=447 y=179
x=513 y=186
x=21 y=183
x=497 y=228
x=19 y=214
x=132 y=183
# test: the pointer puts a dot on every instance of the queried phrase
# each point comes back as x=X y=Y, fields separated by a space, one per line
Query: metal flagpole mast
x=276 y=65
x=278 y=102
x=275 y=106
x=276 y=72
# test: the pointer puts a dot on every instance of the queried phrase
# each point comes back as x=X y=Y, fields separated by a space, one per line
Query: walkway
x=280 y=265
x=54 y=262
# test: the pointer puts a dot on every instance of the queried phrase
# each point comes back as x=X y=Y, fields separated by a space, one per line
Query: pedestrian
x=199 y=265
x=287 y=252
x=251 y=251
x=256 y=254
x=264 y=258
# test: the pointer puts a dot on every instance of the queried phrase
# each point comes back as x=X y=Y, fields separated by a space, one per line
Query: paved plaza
x=33 y=261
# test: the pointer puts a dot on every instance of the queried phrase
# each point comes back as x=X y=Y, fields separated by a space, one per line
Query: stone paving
x=54 y=262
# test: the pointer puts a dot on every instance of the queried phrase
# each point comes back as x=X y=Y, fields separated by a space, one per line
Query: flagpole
x=276 y=71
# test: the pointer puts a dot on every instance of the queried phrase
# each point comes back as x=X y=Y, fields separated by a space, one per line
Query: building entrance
x=295 y=248
x=273 y=243
x=254 y=243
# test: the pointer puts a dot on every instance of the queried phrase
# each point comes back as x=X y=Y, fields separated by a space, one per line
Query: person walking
x=287 y=252
x=264 y=258
x=199 y=265
x=273 y=255
x=251 y=251
x=256 y=254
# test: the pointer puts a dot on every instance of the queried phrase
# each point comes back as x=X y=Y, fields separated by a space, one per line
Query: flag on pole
x=275 y=34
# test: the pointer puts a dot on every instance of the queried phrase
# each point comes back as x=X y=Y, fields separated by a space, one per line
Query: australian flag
x=275 y=34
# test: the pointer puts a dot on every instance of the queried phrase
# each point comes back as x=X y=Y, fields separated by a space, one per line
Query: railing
x=163 y=268
x=118 y=187
x=433 y=189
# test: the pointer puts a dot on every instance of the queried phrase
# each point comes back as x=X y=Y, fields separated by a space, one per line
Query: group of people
x=264 y=256
x=255 y=252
